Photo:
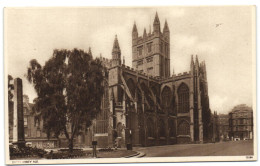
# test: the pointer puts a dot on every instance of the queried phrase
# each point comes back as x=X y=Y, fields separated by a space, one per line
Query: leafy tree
x=69 y=88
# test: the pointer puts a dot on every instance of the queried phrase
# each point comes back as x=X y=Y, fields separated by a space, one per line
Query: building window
x=25 y=120
x=140 y=50
x=149 y=47
x=37 y=122
x=183 y=98
x=140 y=62
x=150 y=59
x=150 y=128
x=26 y=132
x=184 y=128
x=166 y=97
x=149 y=69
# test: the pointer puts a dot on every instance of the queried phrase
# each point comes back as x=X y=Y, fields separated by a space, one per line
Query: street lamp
x=247 y=133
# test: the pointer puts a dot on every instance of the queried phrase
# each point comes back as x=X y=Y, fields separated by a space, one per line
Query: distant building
x=35 y=135
x=223 y=126
x=241 y=123
x=33 y=127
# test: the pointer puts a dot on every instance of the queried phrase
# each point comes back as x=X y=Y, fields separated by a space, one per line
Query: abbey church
x=142 y=105
x=145 y=105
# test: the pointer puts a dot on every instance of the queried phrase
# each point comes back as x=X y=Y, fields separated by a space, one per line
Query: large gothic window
x=162 y=128
x=172 y=128
x=183 y=98
x=183 y=128
x=150 y=128
x=166 y=97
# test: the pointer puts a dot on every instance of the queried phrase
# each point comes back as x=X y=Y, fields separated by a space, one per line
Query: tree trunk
x=71 y=145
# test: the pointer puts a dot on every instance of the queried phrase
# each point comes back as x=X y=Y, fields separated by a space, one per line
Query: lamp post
x=247 y=133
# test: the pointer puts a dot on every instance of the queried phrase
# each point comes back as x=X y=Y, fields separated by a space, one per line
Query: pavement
x=231 y=148
x=136 y=155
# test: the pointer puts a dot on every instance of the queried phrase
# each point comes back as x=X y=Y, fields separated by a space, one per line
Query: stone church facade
x=145 y=105
x=142 y=105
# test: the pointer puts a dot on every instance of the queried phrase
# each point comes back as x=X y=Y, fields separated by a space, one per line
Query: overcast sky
x=222 y=36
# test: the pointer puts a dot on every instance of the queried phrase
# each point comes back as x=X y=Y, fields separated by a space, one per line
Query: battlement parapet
x=181 y=74
x=149 y=36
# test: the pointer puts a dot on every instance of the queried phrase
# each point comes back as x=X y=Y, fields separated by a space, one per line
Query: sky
x=223 y=37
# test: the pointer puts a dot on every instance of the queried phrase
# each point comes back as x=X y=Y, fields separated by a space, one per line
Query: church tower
x=151 y=51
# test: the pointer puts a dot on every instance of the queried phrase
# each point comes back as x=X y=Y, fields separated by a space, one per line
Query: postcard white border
x=164 y=159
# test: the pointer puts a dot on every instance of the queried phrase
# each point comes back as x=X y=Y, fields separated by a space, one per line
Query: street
x=232 y=148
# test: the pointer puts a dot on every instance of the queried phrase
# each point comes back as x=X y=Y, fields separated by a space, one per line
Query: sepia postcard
x=130 y=84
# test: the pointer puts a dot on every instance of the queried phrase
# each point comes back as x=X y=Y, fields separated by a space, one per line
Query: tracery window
x=184 y=128
x=140 y=50
x=183 y=98
x=166 y=97
x=149 y=47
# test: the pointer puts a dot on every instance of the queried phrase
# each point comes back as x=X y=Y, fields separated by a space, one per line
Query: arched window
x=183 y=98
x=37 y=122
x=150 y=128
x=162 y=128
x=166 y=97
x=172 y=128
x=183 y=128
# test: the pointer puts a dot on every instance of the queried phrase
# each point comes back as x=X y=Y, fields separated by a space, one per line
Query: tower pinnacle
x=166 y=28
x=145 y=34
x=134 y=28
x=156 y=24
x=116 y=53
x=156 y=19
